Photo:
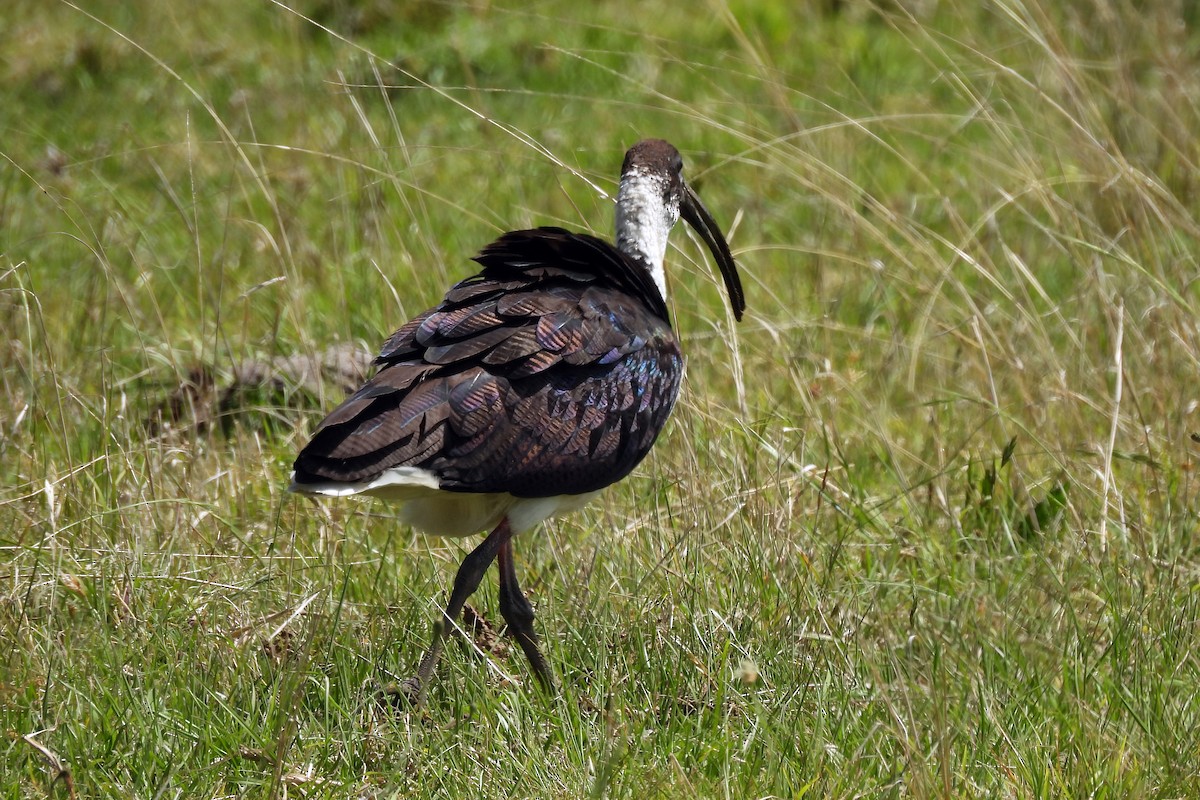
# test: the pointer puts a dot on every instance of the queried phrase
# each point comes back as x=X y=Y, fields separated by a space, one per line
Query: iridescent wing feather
x=551 y=372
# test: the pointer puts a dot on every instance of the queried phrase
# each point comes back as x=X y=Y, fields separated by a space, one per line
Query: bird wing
x=546 y=374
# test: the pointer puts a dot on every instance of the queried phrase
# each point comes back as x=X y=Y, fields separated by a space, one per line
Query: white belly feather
x=430 y=509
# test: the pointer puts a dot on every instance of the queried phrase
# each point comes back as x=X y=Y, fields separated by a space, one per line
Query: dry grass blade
x=59 y=771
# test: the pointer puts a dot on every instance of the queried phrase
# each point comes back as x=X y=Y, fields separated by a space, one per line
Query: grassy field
x=923 y=525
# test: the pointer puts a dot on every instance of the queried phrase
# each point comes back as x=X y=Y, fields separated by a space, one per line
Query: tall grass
x=923 y=525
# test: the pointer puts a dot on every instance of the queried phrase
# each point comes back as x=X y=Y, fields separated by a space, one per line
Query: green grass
x=924 y=525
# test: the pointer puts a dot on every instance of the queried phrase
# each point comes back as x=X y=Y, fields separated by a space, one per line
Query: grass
x=924 y=525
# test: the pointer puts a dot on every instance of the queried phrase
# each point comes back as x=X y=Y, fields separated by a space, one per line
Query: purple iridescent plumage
x=522 y=381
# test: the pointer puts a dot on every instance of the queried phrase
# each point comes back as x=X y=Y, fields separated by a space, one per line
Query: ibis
x=530 y=388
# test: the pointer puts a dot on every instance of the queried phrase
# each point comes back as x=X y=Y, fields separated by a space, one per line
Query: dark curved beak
x=696 y=215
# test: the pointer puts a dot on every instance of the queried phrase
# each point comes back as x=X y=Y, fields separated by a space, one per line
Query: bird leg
x=519 y=615
x=466 y=581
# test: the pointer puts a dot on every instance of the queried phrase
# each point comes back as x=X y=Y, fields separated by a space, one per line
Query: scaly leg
x=519 y=615
x=470 y=573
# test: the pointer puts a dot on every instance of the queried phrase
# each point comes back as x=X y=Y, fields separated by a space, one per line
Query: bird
x=531 y=387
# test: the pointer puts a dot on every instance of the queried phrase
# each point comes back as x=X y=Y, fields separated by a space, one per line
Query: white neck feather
x=643 y=223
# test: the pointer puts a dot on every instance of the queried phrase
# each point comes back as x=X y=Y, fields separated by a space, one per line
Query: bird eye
x=677 y=163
